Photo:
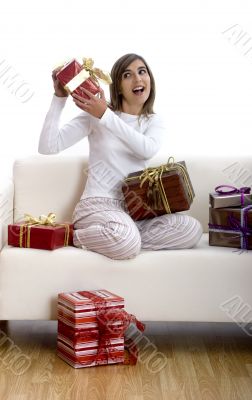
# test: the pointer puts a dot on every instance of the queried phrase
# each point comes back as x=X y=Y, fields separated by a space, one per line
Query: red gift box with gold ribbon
x=40 y=233
x=74 y=77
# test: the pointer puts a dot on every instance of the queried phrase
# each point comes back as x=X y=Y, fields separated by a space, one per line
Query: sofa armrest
x=6 y=208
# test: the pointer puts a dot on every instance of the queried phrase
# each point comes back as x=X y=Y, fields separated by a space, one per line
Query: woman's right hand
x=59 y=91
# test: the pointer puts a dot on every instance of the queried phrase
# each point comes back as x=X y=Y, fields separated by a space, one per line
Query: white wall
x=199 y=52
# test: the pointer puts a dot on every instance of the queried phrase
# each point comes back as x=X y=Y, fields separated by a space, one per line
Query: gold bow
x=156 y=196
x=41 y=220
x=96 y=73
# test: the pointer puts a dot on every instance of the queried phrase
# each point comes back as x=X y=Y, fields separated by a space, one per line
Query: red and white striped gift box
x=80 y=309
x=76 y=338
x=91 y=327
x=91 y=356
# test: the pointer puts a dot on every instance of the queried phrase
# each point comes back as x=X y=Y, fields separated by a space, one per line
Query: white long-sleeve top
x=119 y=144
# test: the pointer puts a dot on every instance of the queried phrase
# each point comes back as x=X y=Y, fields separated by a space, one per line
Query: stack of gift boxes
x=91 y=328
x=230 y=217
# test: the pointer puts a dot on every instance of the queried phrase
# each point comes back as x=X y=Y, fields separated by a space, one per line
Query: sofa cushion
x=164 y=285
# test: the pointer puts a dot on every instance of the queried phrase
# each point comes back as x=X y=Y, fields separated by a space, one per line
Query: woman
x=122 y=137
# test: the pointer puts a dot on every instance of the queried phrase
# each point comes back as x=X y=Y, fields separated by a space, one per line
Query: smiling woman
x=123 y=135
x=133 y=89
x=135 y=82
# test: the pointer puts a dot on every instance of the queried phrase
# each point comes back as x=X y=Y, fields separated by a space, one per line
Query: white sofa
x=167 y=285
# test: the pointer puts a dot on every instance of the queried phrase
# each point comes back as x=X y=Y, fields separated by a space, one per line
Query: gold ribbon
x=156 y=196
x=48 y=220
x=88 y=71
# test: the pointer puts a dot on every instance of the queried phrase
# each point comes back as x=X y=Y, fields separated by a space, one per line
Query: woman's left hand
x=94 y=105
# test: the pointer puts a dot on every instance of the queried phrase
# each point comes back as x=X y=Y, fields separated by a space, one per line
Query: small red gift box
x=85 y=338
x=73 y=78
x=85 y=357
x=79 y=309
x=39 y=234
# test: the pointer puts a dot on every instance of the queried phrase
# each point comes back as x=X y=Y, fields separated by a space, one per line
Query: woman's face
x=135 y=87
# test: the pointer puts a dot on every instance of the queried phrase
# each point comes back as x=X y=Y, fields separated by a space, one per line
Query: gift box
x=157 y=191
x=71 y=70
x=231 y=227
x=86 y=338
x=230 y=196
x=91 y=328
x=84 y=357
x=40 y=234
x=79 y=309
x=74 y=77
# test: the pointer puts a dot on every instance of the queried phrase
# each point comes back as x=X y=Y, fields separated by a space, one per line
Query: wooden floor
x=199 y=361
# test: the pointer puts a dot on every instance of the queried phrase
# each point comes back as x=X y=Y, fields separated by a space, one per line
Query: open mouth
x=138 y=90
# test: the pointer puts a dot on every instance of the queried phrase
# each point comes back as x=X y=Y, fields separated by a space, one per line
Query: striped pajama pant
x=102 y=225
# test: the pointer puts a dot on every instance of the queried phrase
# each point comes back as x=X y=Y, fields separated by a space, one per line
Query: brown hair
x=116 y=74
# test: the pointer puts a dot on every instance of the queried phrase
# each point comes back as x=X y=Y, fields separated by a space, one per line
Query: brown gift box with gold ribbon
x=40 y=233
x=158 y=190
